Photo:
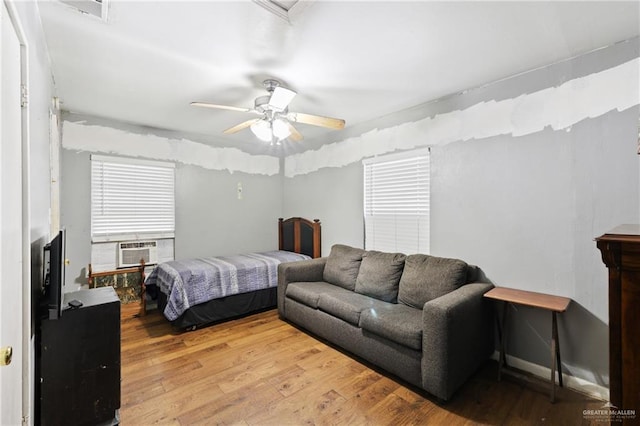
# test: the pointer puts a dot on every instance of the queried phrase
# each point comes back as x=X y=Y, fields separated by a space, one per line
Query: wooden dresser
x=621 y=253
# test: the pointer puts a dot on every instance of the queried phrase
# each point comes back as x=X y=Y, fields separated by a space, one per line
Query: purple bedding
x=193 y=281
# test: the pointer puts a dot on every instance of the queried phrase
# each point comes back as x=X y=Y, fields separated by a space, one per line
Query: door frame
x=27 y=394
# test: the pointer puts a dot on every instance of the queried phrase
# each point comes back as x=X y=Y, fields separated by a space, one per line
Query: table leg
x=503 y=340
x=555 y=327
x=555 y=355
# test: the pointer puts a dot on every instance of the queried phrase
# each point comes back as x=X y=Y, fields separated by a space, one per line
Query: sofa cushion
x=342 y=266
x=425 y=278
x=379 y=275
x=308 y=293
x=399 y=323
x=346 y=305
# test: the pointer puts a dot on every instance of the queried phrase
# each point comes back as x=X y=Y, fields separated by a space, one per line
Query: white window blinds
x=396 y=202
x=131 y=199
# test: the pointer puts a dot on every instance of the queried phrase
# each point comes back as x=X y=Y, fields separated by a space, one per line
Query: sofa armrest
x=457 y=337
x=301 y=271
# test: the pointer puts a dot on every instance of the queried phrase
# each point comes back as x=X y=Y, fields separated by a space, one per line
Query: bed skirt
x=226 y=308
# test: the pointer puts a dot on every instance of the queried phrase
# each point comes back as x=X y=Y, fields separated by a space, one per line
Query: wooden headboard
x=300 y=235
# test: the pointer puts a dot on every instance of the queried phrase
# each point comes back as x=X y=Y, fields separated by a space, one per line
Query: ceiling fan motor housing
x=270 y=84
x=275 y=122
x=262 y=103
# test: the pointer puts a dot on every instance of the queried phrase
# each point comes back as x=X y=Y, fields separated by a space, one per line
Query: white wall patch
x=83 y=137
x=558 y=107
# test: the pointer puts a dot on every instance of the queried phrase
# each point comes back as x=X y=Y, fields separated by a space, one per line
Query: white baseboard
x=575 y=383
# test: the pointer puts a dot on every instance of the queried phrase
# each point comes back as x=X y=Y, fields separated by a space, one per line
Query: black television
x=54 y=268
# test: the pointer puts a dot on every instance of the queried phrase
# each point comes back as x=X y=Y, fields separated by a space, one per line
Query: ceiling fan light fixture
x=281 y=129
x=276 y=121
x=262 y=130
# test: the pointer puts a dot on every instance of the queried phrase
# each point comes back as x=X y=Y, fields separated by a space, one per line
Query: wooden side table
x=555 y=304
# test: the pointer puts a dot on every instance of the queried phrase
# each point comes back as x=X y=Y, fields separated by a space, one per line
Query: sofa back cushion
x=379 y=275
x=342 y=266
x=425 y=278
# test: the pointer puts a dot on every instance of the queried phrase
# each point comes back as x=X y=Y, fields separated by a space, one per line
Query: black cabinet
x=78 y=361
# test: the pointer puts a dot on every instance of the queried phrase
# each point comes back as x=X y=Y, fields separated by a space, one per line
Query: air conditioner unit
x=129 y=254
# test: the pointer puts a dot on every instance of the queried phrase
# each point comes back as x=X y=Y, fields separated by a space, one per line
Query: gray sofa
x=420 y=317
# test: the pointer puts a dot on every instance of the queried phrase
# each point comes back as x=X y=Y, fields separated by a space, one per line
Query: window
x=131 y=199
x=396 y=202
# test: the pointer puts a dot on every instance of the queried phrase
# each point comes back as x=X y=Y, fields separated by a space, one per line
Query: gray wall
x=75 y=214
x=333 y=195
x=210 y=219
x=524 y=208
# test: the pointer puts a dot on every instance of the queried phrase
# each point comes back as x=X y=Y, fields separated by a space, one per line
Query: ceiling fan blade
x=295 y=134
x=316 y=120
x=241 y=126
x=230 y=108
x=281 y=97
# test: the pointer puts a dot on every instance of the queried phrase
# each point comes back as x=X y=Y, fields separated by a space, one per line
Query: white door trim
x=28 y=347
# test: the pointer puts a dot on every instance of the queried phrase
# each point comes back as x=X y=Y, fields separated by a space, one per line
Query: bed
x=192 y=293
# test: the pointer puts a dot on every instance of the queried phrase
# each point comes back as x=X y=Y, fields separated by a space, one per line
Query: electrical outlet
x=239 y=190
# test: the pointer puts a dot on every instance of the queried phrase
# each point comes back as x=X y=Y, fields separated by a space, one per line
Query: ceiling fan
x=274 y=121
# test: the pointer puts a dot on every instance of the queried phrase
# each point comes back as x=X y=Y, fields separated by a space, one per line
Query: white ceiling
x=353 y=60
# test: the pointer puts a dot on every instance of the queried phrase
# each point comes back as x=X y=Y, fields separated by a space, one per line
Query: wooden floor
x=260 y=370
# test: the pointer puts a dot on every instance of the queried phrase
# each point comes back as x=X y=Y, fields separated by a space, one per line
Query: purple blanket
x=193 y=281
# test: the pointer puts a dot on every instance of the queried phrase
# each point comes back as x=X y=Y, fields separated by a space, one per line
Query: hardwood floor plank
x=167 y=406
x=133 y=383
x=245 y=376
x=409 y=395
x=306 y=408
x=260 y=370
x=292 y=381
x=135 y=395
x=232 y=407
x=358 y=383
x=396 y=410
